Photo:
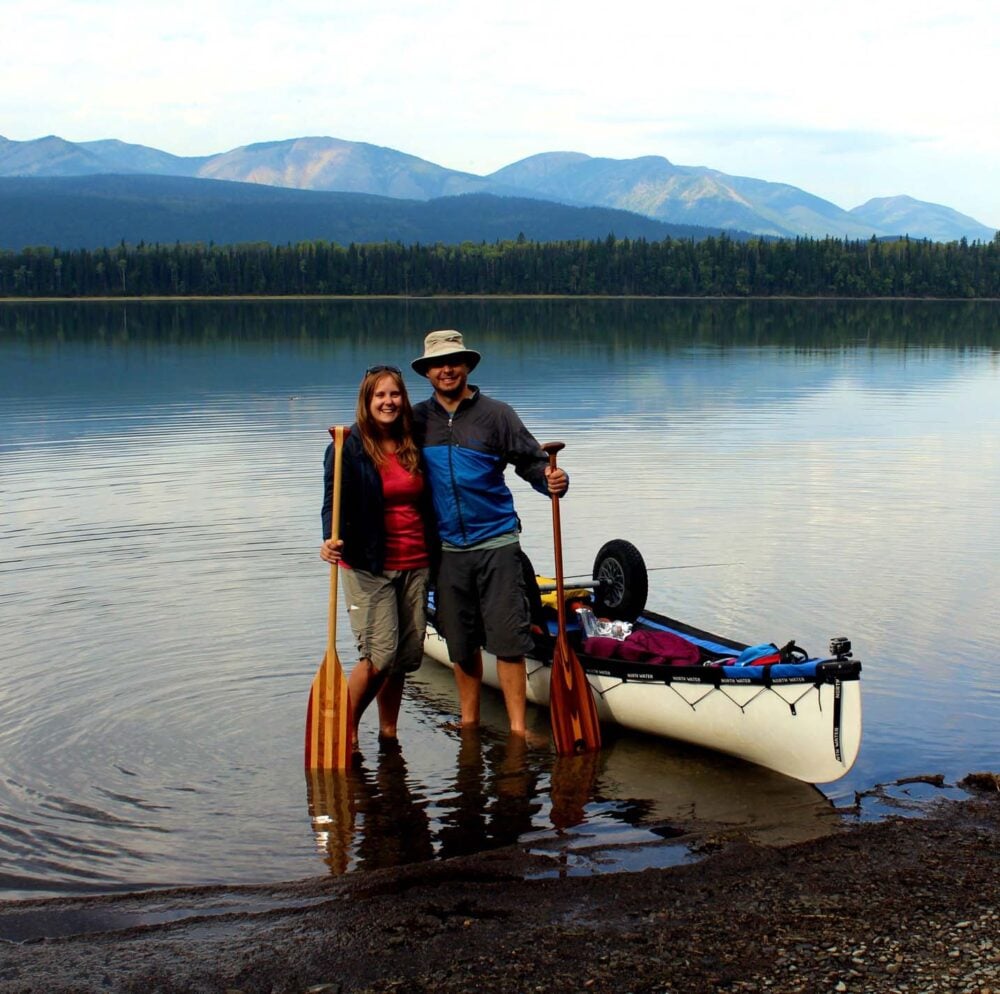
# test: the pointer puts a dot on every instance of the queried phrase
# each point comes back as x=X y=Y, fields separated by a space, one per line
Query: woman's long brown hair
x=401 y=430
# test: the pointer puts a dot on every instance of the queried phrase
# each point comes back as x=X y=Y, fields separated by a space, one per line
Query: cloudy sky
x=848 y=100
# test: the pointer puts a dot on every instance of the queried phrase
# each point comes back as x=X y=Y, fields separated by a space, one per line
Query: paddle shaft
x=551 y=449
x=338 y=433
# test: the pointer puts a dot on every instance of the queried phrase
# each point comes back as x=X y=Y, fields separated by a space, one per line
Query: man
x=468 y=439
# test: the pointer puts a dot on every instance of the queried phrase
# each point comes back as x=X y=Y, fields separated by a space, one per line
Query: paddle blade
x=328 y=718
x=571 y=704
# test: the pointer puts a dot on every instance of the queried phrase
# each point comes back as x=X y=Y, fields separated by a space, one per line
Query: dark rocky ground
x=902 y=905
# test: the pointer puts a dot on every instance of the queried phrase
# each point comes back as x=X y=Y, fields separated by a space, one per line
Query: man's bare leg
x=514 y=684
x=469 y=681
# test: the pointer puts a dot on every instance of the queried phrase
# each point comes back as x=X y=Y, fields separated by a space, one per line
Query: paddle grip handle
x=550 y=449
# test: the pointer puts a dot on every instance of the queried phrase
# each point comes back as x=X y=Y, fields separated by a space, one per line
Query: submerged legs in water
x=367 y=684
x=511 y=676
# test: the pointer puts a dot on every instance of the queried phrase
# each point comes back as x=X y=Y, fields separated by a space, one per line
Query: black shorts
x=480 y=601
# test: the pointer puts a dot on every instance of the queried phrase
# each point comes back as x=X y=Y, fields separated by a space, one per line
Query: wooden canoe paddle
x=571 y=702
x=328 y=717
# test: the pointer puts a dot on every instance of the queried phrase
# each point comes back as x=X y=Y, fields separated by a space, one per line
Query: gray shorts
x=479 y=600
x=388 y=616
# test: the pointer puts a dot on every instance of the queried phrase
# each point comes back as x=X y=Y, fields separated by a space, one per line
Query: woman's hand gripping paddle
x=328 y=717
x=573 y=712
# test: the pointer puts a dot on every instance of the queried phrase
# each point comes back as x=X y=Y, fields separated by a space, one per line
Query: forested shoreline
x=716 y=267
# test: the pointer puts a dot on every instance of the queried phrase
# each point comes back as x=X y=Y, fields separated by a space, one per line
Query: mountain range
x=395 y=194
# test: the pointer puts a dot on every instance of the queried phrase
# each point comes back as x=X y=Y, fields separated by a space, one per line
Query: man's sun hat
x=442 y=345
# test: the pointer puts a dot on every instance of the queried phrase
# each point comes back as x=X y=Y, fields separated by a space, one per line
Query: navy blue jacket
x=465 y=455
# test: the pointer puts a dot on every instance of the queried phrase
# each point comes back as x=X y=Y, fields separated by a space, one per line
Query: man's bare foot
x=533 y=739
x=460 y=726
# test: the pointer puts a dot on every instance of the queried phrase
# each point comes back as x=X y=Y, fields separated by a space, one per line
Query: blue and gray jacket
x=465 y=455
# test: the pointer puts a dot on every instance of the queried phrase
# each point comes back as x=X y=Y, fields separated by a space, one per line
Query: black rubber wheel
x=620 y=571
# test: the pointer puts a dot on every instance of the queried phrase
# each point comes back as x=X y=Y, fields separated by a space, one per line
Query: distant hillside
x=329 y=164
x=906 y=216
x=100 y=210
x=49 y=156
x=349 y=167
x=52 y=156
x=120 y=157
x=649 y=185
x=654 y=186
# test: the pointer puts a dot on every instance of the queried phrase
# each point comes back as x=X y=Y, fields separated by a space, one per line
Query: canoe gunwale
x=827 y=671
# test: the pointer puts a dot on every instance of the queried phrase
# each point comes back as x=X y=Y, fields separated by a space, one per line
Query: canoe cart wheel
x=621 y=580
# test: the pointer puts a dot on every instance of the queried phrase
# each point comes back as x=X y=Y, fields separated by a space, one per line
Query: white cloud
x=848 y=100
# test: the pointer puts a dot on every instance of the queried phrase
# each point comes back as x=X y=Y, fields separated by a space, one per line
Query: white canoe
x=806 y=726
x=801 y=718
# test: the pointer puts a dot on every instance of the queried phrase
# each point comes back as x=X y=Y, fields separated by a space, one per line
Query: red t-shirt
x=405 y=540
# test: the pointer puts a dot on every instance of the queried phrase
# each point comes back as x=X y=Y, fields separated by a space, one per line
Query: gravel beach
x=902 y=905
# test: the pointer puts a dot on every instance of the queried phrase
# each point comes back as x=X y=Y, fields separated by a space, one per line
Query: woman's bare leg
x=390 y=697
x=363 y=686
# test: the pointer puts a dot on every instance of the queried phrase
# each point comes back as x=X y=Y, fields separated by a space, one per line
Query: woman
x=383 y=545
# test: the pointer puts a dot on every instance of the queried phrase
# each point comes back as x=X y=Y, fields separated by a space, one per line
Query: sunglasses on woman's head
x=383 y=369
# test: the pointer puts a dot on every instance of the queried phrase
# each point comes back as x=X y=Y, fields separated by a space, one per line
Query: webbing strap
x=836 y=721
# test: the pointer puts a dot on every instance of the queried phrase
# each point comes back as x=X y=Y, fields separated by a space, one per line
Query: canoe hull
x=809 y=729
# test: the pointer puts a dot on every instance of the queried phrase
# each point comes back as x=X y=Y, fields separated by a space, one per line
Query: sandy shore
x=903 y=905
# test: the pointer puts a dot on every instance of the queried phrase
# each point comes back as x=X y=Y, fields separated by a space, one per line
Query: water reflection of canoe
x=644 y=781
x=801 y=718
x=684 y=786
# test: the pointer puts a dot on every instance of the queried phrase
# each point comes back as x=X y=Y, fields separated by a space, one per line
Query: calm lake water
x=163 y=607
